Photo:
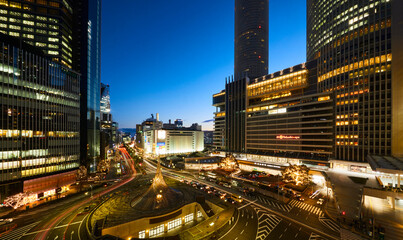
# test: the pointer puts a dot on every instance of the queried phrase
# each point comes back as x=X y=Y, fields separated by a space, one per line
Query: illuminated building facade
x=287 y=118
x=343 y=104
x=87 y=56
x=47 y=25
x=353 y=43
x=106 y=121
x=166 y=139
x=106 y=116
x=251 y=38
x=173 y=141
x=219 y=121
x=39 y=121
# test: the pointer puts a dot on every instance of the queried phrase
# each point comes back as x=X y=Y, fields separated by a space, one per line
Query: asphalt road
x=64 y=219
x=265 y=218
x=258 y=218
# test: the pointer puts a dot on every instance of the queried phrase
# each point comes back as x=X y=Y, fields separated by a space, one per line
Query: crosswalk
x=285 y=208
x=19 y=232
x=329 y=223
x=315 y=236
x=266 y=223
x=307 y=207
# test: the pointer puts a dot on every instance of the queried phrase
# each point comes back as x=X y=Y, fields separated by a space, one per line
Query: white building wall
x=179 y=144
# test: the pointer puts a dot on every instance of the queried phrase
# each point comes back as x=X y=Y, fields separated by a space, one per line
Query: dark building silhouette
x=251 y=38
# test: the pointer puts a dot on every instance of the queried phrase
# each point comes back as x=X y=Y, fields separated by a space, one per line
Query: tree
x=298 y=174
x=20 y=200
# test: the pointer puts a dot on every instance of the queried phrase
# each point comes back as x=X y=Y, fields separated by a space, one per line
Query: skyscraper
x=354 y=42
x=251 y=38
x=344 y=103
x=87 y=56
x=44 y=24
x=39 y=121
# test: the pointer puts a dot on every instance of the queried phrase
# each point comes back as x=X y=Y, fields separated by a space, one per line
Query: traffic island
x=160 y=210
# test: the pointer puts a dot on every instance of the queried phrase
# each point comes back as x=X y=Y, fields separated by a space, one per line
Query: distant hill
x=131 y=131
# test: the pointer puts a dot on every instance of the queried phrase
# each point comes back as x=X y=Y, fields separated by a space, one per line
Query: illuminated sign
x=161 y=134
x=277 y=111
x=287 y=137
x=161 y=145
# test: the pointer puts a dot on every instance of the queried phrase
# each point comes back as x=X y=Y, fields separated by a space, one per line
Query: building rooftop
x=387 y=164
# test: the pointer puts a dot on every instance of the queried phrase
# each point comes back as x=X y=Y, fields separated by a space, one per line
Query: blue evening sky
x=171 y=56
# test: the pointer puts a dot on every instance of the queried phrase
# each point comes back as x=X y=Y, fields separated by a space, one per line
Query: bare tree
x=298 y=174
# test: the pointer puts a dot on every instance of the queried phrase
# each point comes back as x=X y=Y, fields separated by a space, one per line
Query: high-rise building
x=219 y=121
x=106 y=121
x=87 y=56
x=69 y=32
x=343 y=104
x=39 y=121
x=106 y=116
x=47 y=25
x=251 y=38
x=354 y=42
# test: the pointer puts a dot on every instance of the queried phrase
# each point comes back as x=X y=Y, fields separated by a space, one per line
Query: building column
x=392 y=201
x=195 y=214
x=398 y=180
x=165 y=227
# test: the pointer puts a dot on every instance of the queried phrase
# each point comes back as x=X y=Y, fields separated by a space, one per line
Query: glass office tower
x=251 y=38
x=41 y=23
x=88 y=55
x=354 y=42
x=39 y=121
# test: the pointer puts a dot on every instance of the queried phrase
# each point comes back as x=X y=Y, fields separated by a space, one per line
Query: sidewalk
x=356 y=221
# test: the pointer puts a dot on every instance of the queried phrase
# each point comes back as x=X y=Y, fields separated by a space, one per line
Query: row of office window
x=29 y=134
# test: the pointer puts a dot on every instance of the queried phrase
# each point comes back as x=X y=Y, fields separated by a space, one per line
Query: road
x=257 y=218
x=265 y=218
x=66 y=218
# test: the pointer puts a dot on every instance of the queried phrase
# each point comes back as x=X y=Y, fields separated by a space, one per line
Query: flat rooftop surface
x=382 y=163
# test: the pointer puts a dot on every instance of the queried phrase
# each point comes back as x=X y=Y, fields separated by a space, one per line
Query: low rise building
x=168 y=139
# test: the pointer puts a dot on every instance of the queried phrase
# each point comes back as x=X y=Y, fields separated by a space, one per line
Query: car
x=237 y=198
x=6 y=220
x=230 y=200
x=320 y=201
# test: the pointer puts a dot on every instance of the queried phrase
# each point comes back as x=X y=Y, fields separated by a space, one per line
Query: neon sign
x=287 y=137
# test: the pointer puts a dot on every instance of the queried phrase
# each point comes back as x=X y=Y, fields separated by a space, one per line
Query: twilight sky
x=170 y=56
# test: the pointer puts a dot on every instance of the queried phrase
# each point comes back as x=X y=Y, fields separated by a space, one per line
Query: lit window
x=26 y=22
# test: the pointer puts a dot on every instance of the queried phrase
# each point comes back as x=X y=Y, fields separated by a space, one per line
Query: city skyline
x=207 y=59
x=234 y=125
